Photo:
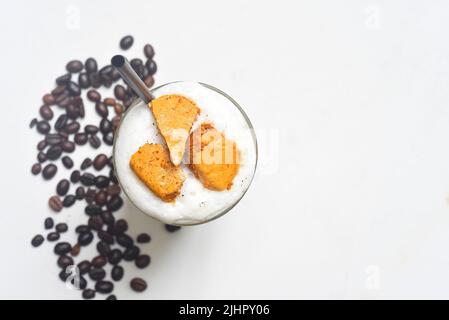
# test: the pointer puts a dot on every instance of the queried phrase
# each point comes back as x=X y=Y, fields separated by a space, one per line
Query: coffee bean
x=101 y=109
x=151 y=66
x=102 y=182
x=80 y=138
x=55 y=203
x=111 y=297
x=43 y=127
x=100 y=161
x=119 y=109
x=46 y=112
x=64 y=274
x=67 y=162
x=117 y=273
x=72 y=111
x=65 y=261
x=104 y=287
x=143 y=238
x=91 y=65
x=138 y=284
x=58 y=91
x=113 y=190
x=149 y=81
x=74 y=66
x=85 y=239
x=103 y=248
x=62 y=80
x=95 y=80
x=53 y=139
x=49 y=171
x=124 y=240
x=86 y=163
x=62 y=248
x=69 y=200
x=87 y=179
x=92 y=210
x=105 y=237
x=106 y=70
x=75 y=250
x=88 y=294
x=148 y=51
x=48 y=223
x=115 y=122
x=91 y=129
x=108 y=139
x=61 y=227
x=72 y=127
x=73 y=88
x=82 y=228
x=115 y=75
x=33 y=123
x=63 y=102
x=37 y=240
x=99 y=261
x=131 y=253
x=75 y=176
x=61 y=122
x=53 y=236
x=68 y=146
x=136 y=63
x=62 y=187
x=41 y=157
x=54 y=152
x=126 y=42
x=80 y=193
x=115 y=256
x=109 y=102
x=97 y=274
x=90 y=195
x=81 y=111
x=120 y=227
x=94 y=96
x=36 y=168
x=171 y=228
x=83 y=80
x=84 y=266
x=101 y=198
x=108 y=218
x=120 y=92
x=115 y=203
x=142 y=261
x=41 y=145
x=48 y=99
x=94 y=141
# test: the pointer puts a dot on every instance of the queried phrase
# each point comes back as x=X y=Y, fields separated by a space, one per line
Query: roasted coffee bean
x=75 y=176
x=68 y=146
x=87 y=179
x=67 y=162
x=143 y=238
x=53 y=236
x=102 y=182
x=75 y=250
x=99 y=261
x=80 y=193
x=81 y=111
x=64 y=274
x=111 y=297
x=115 y=256
x=115 y=203
x=65 y=261
x=74 y=66
x=93 y=95
x=84 y=266
x=101 y=109
x=83 y=80
x=55 y=203
x=90 y=195
x=91 y=65
x=73 y=88
x=43 y=127
x=61 y=227
x=72 y=127
x=86 y=163
x=120 y=227
x=93 y=210
x=94 y=141
x=72 y=111
x=148 y=51
x=151 y=66
x=108 y=139
x=41 y=157
x=36 y=168
x=119 y=109
x=124 y=240
x=41 y=145
x=88 y=294
x=115 y=122
x=85 y=239
x=106 y=80
x=171 y=228
x=113 y=190
x=131 y=253
x=48 y=223
x=80 y=138
x=149 y=81
x=100 y=161
x=136 y=64
x=62 y=80
x=103 y=248
x=106 y=237
x=117 y=273
x=62 y=248
x=95 y=222
x=49 y=171
x=91 y=129
x=104 y=287
x=58 y=91
x=33 y=123
x=97 y=274
x=61 y=122
x=108 y=218
x=69 y=200
x=109 y=102
x=95 y=80
x=53 y=139
x=82 y=228
x=101 y=198
x=48 y=99
x=46 y=112
x=54 y=152
x=115 y=75
x=106 y=71
x=126 y=42
x=142 y=261
x=37 y=240
x=62 y=187
x=138 y=284
x=120 y=92
x=63 y=102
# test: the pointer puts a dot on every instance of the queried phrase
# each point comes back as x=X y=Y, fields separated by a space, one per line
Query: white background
x=350 y=100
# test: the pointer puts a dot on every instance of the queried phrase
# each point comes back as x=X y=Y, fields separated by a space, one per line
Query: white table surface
x=351 y=105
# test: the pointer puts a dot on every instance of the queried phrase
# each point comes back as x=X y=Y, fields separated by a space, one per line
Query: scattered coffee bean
x=117 y=273
x=41 y=157
x=118 y=108
x=91 y=65
x=94 y=141
x=61 y=227
x=149 y=81
x=79 y=193
x=93 y=209
x=72 y=111
x=120 y=226
x=142 y=261
x=104 y=287
x=124 y=240
x=46 y=112
x=95 y=222
x=109 y=102
x=36 y=168
x=138 y=284
x=61 y=122
x=41 y=145
x=67 y=162
x=126 y=42
x=131 y=253
x=90 y=195
x=101 y=109
x=37 y=240
x=80 y=138
x=54 y=152
x=171 y=228
x=88 y=294
x=87 y=179
x=97 y=274
x=82 y=228
x=101 y=182
x=53 y=236
x=33 y=123
x=75 y=250
x=58 y=91
x=115 y=203
x=71 y=127
x=48 y=99
x=62 y=248
x=100 y=161
x=74 y=66
x=86 y=163
x=65 y=261
x=62 y=187
x=99 y=261
x=103 y=248
x=94 y=79
x=106 y=237
x=91 y=129
x=120 y=92
x=62 y=80
x=73 y=88
x=75 y=176
x=48 y=223
x=148 y=51
x=94 y=96
x=108 y=139
x=84 y=266
x=151 y=66
x=81 y=110
x=85 y=238
x=55 y=203
x=83 y=80
x=143 y=238
x=115 y=256
x=108 y=218
x=69 y=200
x=43 y=127
x=101 y=198
x=49 y=171
x=113 y=190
